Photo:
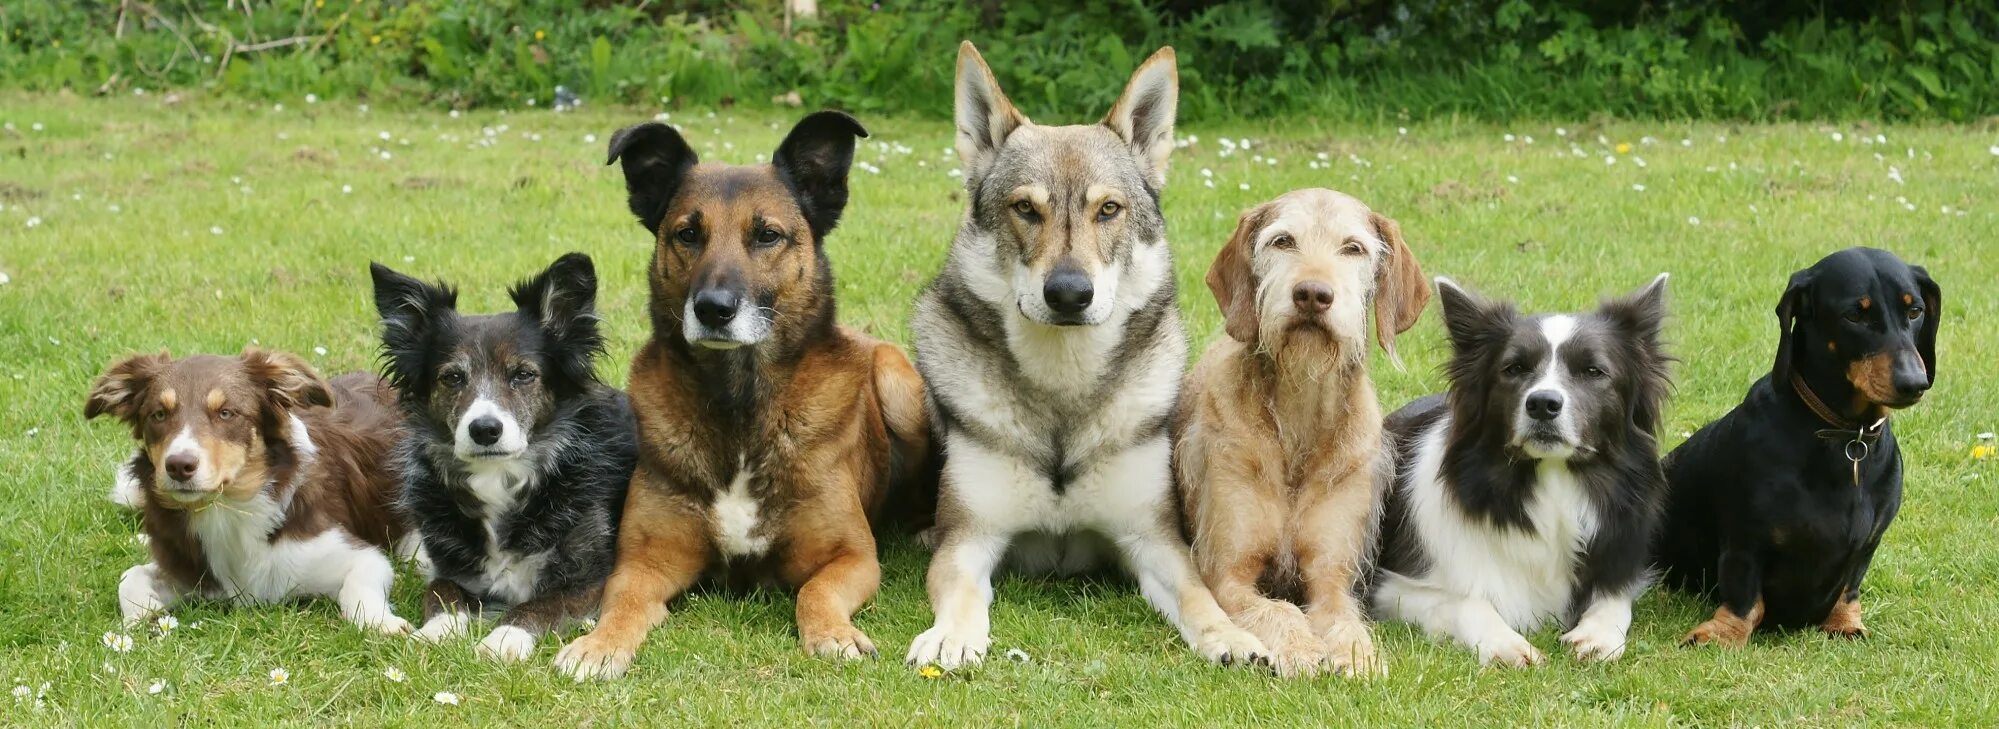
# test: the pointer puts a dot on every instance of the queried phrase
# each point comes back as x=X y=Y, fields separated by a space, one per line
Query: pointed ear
x=1641 y=312
x=117 y=392
x=814 y=160
x=411 y=311
x=563 y=301
x=1143 y=115
x=1926 y=338
x=1400 y=292
x=1471 y=321
x=1789 y=308
x=287 y=381
x=656 y=160
x=984 y=115
x=1232 y=278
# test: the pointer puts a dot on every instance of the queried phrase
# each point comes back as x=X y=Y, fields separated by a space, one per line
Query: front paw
x=379 y=620
x=1229 y=645
x=507 y=644
x=1510 y=651
x=594 y=656
x=948 y=649
x=442 y=627
x=1594 y=642
x=844 y=642
x=1302 y=656
x=1350 y=652
x=1844 y=622
x=1718 y=632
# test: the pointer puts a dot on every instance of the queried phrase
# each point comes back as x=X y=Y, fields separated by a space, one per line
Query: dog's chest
x=736 y=517
x=506 y=574
x=248 y=566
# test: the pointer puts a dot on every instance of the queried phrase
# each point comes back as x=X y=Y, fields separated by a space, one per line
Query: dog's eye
x=1285 y=242
x=453 y=380
x=1025 y=208
x=687 y=235
x=1853 y=315
x=1593 y=372
x=1108 y=211
x=225 y=414
x=523 y=375
x=1352 y=248
x=769 y=236
x=1518 y=370
x=1915 y=313
x=159 y=416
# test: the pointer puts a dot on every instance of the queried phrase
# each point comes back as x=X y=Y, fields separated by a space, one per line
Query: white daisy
x=118 y=642
x=280 y=677
x=395 y=674
x=445 y=697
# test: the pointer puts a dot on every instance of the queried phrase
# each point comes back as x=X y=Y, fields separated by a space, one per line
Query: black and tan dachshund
x=1776 y=509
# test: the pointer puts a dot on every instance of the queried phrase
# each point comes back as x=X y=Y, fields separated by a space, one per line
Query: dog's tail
x=913 y=457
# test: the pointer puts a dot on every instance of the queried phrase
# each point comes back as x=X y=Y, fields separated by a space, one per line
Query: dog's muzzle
x=721 y=318
x=1068 y=293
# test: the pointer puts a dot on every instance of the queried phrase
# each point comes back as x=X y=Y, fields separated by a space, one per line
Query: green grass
x=287 y=270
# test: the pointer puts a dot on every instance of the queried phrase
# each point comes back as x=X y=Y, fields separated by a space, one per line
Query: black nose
x=1911 y=383
x=1312 y=297
x=485 y=430
x=1068 y=290
x=1544 y=404
x=181 y=466
x=715 y=307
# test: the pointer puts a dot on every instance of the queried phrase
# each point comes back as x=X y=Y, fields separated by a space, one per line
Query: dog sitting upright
x=771 y=438
x=515 y=457
x=260 y=481
x=1532 y=489
x=1280 y=457
x=1777 y=507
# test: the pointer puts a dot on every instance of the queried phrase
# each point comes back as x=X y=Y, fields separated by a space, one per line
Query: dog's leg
x=1844 y=621
x=1333 y=537
x=833 y=561
x=662 y=549
x=364 y=593
x=144 y=592
x=446 y=611
x=1233 y=546
x=961 y=596
x=1470 y=620
x=1600 y=633
x=126 y=490
x=1739 y=583
x=514 y=639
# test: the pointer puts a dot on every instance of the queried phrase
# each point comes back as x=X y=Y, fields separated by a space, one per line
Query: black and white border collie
x=515 y=458
x=1532 y=488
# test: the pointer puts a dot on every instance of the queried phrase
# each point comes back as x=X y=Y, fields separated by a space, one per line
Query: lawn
x=203 y=225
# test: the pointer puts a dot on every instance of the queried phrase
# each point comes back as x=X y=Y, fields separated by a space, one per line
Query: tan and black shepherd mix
x=769 y=436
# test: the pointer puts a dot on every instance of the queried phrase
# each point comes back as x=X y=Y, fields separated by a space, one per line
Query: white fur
x=750 y=326
x=1554 y=378
x=443 y=626
x=513 y=439
x=126 y=489
x=507 y=644
x=1600 y=633
x=507 y=575
x=735 y=518
x=1487 y=585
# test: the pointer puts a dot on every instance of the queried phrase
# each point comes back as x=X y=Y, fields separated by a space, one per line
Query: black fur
x=813 y=161
x=1764 y=502
x=656 y=160
x=580 y=450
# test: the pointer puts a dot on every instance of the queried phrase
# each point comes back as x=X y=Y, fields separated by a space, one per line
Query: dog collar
x=1858 y=438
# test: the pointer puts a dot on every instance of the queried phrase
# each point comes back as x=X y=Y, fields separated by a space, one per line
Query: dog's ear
x=1232 y=278
x=985 y=117
x=1641 y=312
x=411 y=311
x=1471 y=321
x=1400 y=292
x=656 y=160
x=116 y=392
x=1926 y=338
x=1143 y=115
x=288 y=383
x=1793 y=305
x=563 y=302
x=814 y=160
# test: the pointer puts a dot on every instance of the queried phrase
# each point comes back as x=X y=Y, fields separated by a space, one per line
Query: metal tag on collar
x=1857 y=449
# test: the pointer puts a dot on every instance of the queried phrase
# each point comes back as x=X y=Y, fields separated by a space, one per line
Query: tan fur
x=1280 y=451
x=1844 y=621
x=1873 y=379
x=1726 y=629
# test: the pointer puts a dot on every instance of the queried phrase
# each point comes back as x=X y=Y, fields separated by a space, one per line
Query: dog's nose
x=485 y=430
x=1068 y=290
x=1312 y=297
x=715 y=307
x=1910 y=383
x=181 y=466
x=1544 y=404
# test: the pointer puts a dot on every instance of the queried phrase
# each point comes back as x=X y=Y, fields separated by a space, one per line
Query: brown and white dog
x=1280 y=458
x=260 y=481
x=769 y=436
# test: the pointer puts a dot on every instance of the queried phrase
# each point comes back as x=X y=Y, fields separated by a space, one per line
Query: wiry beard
x=1307 y=355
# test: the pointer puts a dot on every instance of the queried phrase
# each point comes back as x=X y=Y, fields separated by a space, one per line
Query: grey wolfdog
x=1052 y=346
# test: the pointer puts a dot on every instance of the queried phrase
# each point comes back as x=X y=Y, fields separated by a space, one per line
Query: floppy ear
x=1233 y=279
x=1143 y=115
x=1399 y=290
x=287 y=381
x=814 y=160
x=563 y=301
x=1926 y=338
x=1789 y=308
x=410 y=310
x=985 y=118
x=656 y=160
x=116 y=392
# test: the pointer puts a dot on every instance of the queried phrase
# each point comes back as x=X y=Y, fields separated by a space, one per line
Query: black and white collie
x=515 y=458
x=1531 y=490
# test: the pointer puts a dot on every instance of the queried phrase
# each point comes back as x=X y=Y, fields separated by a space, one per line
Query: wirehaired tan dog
x=1051 y=343
x=1280 y=457
x=770 y=437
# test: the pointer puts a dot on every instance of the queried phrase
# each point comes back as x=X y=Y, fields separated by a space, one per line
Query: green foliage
x=1349 y=59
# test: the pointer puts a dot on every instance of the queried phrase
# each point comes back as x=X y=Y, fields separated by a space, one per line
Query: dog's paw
x=1510 y=651
x=844 y=642
x=507 y=644
x=1591 y=641
x=948 y=649
x=594 y=657
x=444 y=626
x=1717 y=632
x=1350 y=652
x=392 y=625
x=1229 y=645
x=1302 y=656
x=1844 y=622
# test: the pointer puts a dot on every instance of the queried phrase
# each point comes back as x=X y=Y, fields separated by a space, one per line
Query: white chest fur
x=1527 y=575
x=508 y=575
x=735 y=517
